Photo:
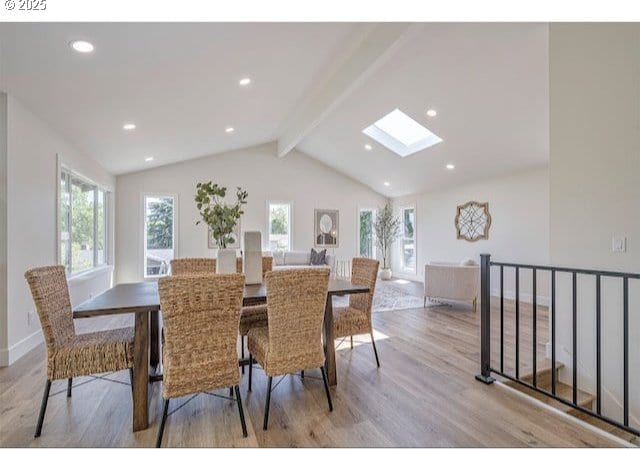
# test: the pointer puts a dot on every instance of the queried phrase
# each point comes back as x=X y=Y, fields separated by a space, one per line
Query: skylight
x=401 y=134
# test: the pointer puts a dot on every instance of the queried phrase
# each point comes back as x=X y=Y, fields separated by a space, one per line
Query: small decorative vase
x=226 y=262
x=385 y=274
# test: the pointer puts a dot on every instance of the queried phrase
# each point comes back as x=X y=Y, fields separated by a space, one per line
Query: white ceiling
x=179 y=84
x=489 y=86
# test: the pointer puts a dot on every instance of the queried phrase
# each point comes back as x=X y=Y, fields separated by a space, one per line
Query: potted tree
x=387 y=230
x=221 y=219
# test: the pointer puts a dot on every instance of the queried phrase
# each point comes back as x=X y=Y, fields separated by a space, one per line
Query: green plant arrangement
x=220 y=217
x=387 y=230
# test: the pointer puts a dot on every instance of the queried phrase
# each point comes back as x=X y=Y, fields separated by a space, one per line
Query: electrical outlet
x=619 y=244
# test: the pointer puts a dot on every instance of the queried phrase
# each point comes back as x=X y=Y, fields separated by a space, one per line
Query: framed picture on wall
x=212 y=244
x=326 y=228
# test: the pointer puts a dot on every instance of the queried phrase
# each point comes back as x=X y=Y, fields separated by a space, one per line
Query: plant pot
x=385 y=274
x=226 y=262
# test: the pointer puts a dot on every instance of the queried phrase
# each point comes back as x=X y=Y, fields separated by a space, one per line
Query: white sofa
x=283 y=260
x=452 y=281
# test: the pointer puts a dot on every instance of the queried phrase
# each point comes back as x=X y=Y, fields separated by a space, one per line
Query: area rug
x=395 y=294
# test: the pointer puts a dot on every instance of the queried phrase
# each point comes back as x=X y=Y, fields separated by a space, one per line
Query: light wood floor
x=424 y=394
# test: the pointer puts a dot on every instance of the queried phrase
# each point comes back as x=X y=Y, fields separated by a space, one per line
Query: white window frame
x=403 y=268
x=144 y=229
x=268 y=233
x=374 y=211
x=63 y=167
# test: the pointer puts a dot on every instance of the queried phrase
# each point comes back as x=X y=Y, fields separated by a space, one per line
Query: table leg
x=329 y=346
x=154 y=335
x=141 y=372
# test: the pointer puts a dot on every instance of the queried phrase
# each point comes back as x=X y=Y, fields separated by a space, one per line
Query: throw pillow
x=318 y=258
x=468 y=262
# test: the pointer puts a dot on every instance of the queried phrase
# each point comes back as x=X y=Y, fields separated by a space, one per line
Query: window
x=159 y=234
x=401 y=134
x=367 y=245
x=83 y=223
x=408 y=239
x=279 y=226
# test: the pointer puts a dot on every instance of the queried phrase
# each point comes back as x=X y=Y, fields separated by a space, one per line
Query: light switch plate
x=619 y=244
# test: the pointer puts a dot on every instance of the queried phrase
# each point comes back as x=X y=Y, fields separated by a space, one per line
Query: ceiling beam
x=366 y=50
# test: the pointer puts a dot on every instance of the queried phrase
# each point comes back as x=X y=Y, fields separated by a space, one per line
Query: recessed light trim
x=387 y=183
x=368 y=147
x=82 y=46
x=401 y=134
x=450 y=166
x=245 y=81
x=432 y=112
x=148 y=159
x=129 y=126
x=229 y=129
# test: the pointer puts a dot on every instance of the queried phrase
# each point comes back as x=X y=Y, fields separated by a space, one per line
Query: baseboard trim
x=14 y=353
x=542 y=300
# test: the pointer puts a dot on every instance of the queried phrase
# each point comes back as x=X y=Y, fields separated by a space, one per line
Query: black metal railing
x=486 y=368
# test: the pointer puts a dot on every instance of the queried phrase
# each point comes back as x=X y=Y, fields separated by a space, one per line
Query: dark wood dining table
x=141 y=299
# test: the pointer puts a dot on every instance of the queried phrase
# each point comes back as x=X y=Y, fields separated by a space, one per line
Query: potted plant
x=387 y=230
x=221 y=219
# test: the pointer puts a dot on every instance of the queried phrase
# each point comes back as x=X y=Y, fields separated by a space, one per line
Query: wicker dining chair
x=254 y=316
x=292 y=340
x=201 y=315
x=355 y=319
x=69 y=354
x=192 y=265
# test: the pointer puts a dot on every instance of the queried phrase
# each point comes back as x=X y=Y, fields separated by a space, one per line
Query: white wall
x=31 y=219
x=595 y=190
x=3 y=229
x=519 y=208
x=306 y=183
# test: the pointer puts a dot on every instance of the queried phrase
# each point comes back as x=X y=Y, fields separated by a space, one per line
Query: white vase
x=226 y=262
x=385 y=274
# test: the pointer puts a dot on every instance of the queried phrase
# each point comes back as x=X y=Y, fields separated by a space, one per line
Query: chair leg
x=250 y=369
x=326 y=388
x=165 y=410
x=375 y=351
x=239 y=399
x=351 y=337
x=475 y=300
x=424 y=304
x=266 y=407
x=231 y=391
x=302 y=374
x=69 y=386
x=131 y=378
x=242 y=350
x=43 y=408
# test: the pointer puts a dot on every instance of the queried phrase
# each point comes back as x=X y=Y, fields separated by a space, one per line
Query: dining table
x=142 y=300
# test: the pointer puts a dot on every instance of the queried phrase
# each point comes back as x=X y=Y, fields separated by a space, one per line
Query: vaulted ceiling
x=314 y=88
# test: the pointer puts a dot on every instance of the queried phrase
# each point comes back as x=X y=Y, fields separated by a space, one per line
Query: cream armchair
x=452 y=281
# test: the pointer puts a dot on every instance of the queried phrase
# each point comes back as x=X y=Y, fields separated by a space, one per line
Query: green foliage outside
x=278 y=220
x=366 y=227
x=160 y=224
x=219 y=216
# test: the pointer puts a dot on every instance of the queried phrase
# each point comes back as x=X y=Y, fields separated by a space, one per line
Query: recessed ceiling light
x=129 y=126
x=368 y=147
x=82 y=46
x=450 y=166
x=387 y=183
x=432 y=113
x=245 y=81
x=148 y=159
x=229 y=129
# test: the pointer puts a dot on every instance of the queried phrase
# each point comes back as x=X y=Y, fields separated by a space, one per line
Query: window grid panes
x=279 y=226
x=408 y=240
x=83 y=238
x=159 y=232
